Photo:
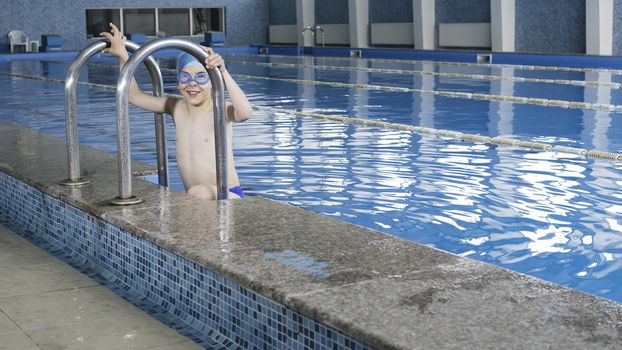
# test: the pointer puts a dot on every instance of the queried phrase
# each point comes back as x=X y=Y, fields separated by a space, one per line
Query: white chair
x=18 y=38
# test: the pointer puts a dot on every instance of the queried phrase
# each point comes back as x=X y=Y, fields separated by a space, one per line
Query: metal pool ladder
x=302 y=38
x=71 y=82
x=313 y=31
x=321 y=30
x=123 y=135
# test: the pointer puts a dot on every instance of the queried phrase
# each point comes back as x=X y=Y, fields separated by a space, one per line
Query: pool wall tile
x=550 y=26
x=245 y=20
x=211 y=304
x=462 y=11
x=398 y=11
x=331 y=12
x=617 y=27
x=281 y=12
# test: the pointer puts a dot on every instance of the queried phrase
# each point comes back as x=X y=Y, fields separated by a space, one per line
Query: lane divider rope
x=449 y=63
x=583 y=83
x=451 y=94
x=457 y=135
x=452 y=134
x=445 y=93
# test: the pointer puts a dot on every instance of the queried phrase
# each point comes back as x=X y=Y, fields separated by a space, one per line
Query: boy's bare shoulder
x=173 y=103
x=175 y=98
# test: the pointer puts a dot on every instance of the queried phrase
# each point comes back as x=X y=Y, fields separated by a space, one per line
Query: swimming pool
x=556 y=216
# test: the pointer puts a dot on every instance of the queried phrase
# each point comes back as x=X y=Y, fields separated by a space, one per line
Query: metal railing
x=321 y=30
x=302 y=38
x=122 y=100
x=71 y=82
x=313 y=30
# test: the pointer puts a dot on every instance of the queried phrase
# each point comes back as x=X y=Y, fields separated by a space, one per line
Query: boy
x=193 y=117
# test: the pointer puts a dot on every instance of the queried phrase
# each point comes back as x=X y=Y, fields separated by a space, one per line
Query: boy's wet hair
x=185 y=59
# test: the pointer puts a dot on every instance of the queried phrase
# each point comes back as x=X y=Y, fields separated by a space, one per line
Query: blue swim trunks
x=237 y=190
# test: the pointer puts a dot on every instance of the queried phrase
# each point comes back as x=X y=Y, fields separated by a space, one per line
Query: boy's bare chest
x=195 y=129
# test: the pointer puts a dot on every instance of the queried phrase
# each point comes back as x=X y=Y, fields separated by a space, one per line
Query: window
x=208 y=20
x=156 y=21
x=97 y=21
x=174 y=21
x=139 y=21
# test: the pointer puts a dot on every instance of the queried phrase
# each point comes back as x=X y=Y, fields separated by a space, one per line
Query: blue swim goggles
x=200 y=78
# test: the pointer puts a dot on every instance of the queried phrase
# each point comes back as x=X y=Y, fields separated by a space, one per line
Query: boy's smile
x=194 y=93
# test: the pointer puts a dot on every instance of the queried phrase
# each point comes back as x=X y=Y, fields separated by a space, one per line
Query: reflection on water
x=539 y=213
x=558 y=217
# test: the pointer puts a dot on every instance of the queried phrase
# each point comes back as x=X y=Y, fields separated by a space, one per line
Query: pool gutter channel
x=386 y=292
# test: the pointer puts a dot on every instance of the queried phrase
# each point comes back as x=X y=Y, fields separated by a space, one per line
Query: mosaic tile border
x=209 y=308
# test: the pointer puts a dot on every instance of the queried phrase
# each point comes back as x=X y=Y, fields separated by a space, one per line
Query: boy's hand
x=214 y=60
x=117 y=42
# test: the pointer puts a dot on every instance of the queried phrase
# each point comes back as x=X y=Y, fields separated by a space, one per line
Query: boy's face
x=193 y=92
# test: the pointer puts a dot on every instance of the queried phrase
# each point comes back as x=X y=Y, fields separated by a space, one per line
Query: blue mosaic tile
x=245 y=20
x=199 y=303
x=550 y=26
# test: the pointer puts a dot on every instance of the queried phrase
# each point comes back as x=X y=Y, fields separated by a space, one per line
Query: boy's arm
x=239 y=109
x=137 y=97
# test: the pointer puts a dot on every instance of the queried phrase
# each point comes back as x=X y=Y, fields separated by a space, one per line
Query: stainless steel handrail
x=321 y=30
x=71 y=83
x=123 y=132
x=302 y=38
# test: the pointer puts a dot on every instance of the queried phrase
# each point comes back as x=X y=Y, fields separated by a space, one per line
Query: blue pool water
x=551 y=215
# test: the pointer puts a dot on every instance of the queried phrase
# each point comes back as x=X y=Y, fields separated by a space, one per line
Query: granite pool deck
x=386 y=292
